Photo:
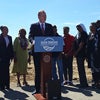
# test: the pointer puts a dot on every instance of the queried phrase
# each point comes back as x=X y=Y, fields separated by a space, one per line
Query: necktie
x=42 y=27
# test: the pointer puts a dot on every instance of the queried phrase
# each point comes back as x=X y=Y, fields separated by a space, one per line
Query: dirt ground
x=67 y=92
x=31 y=72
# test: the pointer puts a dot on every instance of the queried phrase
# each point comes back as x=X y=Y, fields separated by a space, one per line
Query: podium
x=45 y=71
x=47 y=45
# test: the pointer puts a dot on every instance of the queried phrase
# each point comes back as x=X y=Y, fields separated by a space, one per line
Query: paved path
x=17 y=93
x=68 y=93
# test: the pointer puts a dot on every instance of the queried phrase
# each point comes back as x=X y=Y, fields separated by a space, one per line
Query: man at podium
x=41 y=28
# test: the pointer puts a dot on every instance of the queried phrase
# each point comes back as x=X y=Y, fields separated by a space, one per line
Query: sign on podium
x=47 y=45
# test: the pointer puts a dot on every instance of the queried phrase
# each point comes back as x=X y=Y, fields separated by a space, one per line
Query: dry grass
x=30 y=75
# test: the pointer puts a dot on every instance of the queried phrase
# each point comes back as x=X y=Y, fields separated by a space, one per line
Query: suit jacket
x=35 y=30
x=6 y=52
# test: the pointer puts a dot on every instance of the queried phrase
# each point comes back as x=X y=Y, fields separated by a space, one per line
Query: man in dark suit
x=6 y=54
x=40 y=28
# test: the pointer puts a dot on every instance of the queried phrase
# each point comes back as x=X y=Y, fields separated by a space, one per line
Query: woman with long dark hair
x=80 y=54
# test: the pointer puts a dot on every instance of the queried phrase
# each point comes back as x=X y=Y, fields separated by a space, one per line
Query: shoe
x=34 y=92
x=18 y=84
x=70 y=83
x=25 y=83
x=65 y=82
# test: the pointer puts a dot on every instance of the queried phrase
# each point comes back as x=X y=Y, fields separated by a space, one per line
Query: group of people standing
x=93 y=52
x=82 y=46
x=16 y=52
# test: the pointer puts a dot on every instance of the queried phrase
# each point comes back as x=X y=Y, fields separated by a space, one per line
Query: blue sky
x=18 y=14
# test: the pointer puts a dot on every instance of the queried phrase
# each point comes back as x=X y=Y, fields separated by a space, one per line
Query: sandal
x=25 y=83
x=18 y=84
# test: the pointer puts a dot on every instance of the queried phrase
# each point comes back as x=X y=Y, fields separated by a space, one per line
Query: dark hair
x=1 y=28
x=98 y=23
x=22 y=31
x=41 y=11
x=66 y=27
x=78 y=26
x=55 y=26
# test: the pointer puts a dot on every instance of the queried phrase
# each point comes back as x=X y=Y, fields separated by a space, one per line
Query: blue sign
x=48 y=44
